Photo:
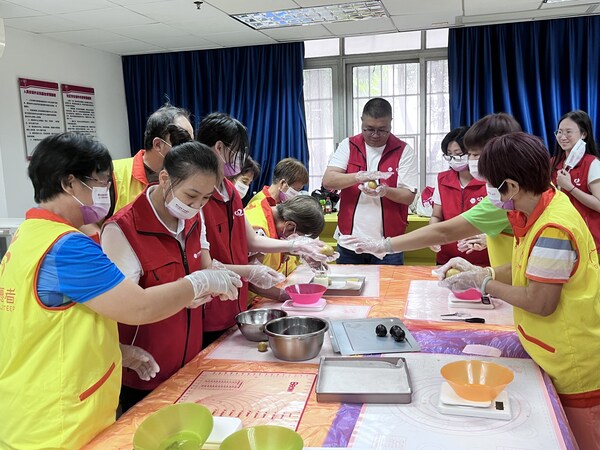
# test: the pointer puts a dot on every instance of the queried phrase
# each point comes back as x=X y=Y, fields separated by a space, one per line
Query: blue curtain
x=260 y=86
x=536 y=71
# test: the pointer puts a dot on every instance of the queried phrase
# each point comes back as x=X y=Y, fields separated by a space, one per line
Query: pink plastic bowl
x=469 y=294
x=305 y=294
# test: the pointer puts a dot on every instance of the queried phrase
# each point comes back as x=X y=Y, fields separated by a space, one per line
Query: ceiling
x=128 y=27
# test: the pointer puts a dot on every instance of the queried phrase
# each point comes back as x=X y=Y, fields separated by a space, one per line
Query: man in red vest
x=379 y=209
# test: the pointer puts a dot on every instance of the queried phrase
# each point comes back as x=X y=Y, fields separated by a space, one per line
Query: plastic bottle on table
x=328 y=206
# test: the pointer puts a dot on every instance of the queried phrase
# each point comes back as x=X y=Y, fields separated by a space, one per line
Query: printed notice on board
x=80 y=113
x=40 y=102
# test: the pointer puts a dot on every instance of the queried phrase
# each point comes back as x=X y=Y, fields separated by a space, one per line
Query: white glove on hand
x=460 y=264
x=465 y=280
x=473 y=244
x=376 y=247
x=435 y=248
x=379 y=191
x=308 y=248
x=365 y=175
x=222 y=282
x=263 y=276
x=138 y=359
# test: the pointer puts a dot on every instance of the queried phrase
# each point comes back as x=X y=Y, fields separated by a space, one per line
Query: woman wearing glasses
x=576 y=168
x=456 y=191
x=60 y=301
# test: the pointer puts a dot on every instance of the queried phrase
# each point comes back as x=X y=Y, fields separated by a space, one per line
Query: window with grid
x=409 y=69
x=318 y=103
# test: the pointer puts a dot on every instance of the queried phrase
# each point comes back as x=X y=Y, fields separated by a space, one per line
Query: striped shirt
x=553 y=257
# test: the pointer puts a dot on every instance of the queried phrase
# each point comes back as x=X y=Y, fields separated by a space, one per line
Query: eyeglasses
x=102 y=183
x=374 y=132
x=453 y=157
x=565 y=133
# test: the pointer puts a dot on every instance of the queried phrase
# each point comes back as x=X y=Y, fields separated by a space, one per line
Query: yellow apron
x=60 y=368
x=566 y=343
x=128 y=186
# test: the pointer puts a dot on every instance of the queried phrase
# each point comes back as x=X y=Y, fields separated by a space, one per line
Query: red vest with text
x=455 y=201
x=176 y=340
x=394 y=214
x=226 y=233
x=579 y=178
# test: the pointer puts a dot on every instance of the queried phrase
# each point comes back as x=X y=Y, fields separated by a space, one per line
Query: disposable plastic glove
x=264 y=277
x=473 y=244
x=308 y=248
x=222 y=283
x=465 y=280
x=460 y=264
x=379 y=191
x=435 y=248
x=376 y=247
x=138 y=359
x=374 y=175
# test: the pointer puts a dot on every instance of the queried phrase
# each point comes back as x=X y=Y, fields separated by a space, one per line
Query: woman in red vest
x=456 y=191
x=578 y=174
x=158 y=238
x=230 y=235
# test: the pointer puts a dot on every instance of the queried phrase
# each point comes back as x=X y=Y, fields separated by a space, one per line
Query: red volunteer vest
x=455 y=201
x=176 y=340
x=394 y=214
x=579 y=177
x=226 y=233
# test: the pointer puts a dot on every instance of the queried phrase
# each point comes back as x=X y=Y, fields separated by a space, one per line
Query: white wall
x=28 y=56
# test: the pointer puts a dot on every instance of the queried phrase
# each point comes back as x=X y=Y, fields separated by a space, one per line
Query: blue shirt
x=75 y=270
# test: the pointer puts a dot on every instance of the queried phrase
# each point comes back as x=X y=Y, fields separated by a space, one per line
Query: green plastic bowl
x=263 y=437
x=183 y=426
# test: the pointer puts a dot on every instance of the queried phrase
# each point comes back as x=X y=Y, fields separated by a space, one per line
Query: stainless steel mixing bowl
x=296 y=338
x=252 y=322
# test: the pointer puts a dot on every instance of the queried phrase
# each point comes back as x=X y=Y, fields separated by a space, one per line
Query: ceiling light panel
x=343 y=12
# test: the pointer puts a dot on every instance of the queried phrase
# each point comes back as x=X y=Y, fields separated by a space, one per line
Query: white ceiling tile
x=240 y=39
x=175 y=11
x=133 y=2
x=108 y=18
x=397 y=8
x=516 y=17
x=242 y=6
x=130 y=47
x=182 y=41
x=9 y=10
x=475 y=7
x=298 y=33
x=43 y=24
x=206 y=26
x=423 y=21
x=193 y=49
x=64 y=6
x=87 y=37
x=149 y=31
x=376 y=25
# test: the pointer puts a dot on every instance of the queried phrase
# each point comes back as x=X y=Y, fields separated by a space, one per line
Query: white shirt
x=117 y=247
x=370 y=207
x=594 y=172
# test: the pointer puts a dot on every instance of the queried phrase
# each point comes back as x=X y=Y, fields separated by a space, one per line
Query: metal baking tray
x=363 y=380
x=357 y=337
x=346 y=285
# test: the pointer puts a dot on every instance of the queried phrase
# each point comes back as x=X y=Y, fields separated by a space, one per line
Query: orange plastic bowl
x=469 y=294
x=478 y=381
x=305 y=294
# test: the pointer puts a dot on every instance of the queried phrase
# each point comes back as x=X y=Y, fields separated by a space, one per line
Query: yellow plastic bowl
x=183 y=426
x=263 y=437
x=478 y=381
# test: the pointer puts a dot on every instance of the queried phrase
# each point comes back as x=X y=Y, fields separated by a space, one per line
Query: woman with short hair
x=60 y=364
x=553 y=281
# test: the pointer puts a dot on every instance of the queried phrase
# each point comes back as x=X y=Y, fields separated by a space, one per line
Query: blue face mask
x=495 y=197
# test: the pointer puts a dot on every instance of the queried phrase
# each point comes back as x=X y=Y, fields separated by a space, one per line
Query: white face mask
x=289 y=194
x=242 y=188
x=473 y=169
x=577 y=152
x=100 y=204
x=180 y=210
x=459 y=164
